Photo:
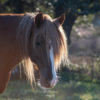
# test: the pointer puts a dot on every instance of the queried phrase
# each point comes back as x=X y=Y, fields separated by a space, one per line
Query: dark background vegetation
x=72 y=8
x=81 y=78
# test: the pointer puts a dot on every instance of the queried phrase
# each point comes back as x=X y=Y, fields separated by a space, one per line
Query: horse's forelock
x=59 y=42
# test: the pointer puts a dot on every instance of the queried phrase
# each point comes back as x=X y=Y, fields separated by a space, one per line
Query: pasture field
x=21 y=90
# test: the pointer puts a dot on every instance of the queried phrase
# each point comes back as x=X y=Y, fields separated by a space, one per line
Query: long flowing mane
x=59 y=42
x=23 y=36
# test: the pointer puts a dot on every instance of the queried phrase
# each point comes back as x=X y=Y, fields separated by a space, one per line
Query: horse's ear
x=60 y=19
x=39 y=19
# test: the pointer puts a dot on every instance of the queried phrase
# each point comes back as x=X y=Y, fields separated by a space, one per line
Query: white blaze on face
x=54 y=79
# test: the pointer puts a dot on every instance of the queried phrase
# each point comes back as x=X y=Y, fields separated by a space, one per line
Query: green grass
x=21 y=90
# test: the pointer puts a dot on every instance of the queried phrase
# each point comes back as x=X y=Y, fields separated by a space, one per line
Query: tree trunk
x=68 y=24
x=70 y=18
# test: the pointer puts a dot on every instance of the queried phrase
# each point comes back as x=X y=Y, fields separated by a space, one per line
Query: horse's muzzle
x=45 y=83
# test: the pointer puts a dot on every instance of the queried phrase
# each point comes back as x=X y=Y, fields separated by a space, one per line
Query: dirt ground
x=85 y=44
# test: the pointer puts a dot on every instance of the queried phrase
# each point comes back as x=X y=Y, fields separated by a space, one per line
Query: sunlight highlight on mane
x=23 y=37
x=63 y=52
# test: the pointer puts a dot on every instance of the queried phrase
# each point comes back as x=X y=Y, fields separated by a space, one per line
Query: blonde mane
x=23 y=36
x=58 y=39
x=59 y=42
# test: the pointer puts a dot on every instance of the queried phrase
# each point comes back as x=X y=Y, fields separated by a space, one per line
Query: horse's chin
x=47 y=85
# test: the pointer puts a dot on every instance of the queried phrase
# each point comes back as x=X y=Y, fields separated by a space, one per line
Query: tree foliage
x=21 y=6
x=73 y=9
x=78 y=7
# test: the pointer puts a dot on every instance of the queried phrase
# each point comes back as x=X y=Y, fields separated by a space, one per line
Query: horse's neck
x=9 y=53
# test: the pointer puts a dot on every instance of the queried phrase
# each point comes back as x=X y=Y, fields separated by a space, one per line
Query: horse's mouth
x=42 y=82
x=45 y=85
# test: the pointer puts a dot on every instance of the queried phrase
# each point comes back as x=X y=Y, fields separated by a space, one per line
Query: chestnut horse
x=35 y=40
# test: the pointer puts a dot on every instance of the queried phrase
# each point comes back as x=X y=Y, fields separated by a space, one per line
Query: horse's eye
x=38 y=43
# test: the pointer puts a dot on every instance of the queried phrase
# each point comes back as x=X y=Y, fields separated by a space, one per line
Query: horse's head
x=43 y=48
